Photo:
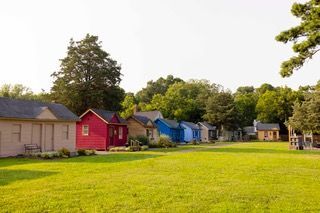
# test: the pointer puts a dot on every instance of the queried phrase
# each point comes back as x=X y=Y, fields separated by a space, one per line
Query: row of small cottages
x=52 y=126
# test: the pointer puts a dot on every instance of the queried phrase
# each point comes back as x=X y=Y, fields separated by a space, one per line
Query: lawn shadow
x=8 y=176
x=110 y=158
x=260 y=150
x=176 y=149
x=15 y=161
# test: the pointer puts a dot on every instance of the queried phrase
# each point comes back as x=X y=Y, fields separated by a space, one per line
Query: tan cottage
x=142 y=125
x=51 y=126
x=267 y=131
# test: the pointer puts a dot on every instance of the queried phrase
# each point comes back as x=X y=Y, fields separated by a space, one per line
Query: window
x=149 y=133
x=120 y=132
x=85 y=130
x=16 y=133
x=65 y=132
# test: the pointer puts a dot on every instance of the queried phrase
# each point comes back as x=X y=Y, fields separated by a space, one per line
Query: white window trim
x=83 y=132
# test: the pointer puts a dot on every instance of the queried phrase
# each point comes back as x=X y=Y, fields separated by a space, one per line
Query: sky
x=229 y=42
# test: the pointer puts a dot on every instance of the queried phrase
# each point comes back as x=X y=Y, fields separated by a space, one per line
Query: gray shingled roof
x=268 y=126
x=27 y=109
x=171 y=123
x=108 y=115
x=142 y=119
x=209 y=126
x=249 y=130
x=152 y=115
x=191 y=125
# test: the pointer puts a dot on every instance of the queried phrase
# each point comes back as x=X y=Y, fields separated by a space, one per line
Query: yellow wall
x=261 y=135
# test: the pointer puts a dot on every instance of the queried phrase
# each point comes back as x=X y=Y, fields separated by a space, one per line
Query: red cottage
x=100 y=130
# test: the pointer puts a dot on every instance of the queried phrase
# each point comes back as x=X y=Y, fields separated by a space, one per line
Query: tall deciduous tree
x=305 y=37
x=159 y=86
x=245 y=100
x=277 y=105
x=182 y=101
x=88 y=77
x=19 y=91
x=128 y=105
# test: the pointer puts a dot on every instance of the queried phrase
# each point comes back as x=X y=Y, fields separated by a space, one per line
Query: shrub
x=90 y=152
x=154 y=144
x=165 y=142
x=64 y=152
x=143 y=148
x=194 y=142
x=120 y=149
x=81 y=152
x=47 y=155
x=144 y=140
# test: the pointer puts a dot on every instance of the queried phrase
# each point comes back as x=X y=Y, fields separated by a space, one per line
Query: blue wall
x=191 y=134
x=176 y=135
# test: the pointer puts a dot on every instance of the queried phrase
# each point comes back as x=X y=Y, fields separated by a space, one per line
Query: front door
x=48 y=138
x=36 y=134
x=275 y=136
x=111 y=136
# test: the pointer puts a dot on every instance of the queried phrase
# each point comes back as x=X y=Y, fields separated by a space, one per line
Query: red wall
x=97 y=133
x=98 y=137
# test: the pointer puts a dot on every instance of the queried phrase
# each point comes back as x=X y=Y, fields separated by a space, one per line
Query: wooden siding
x=12 y=148
x=176 y=135
x=135 y=129
x=96 y=139
x=261 y=135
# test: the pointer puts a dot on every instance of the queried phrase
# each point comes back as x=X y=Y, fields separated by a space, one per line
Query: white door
x=36 y=134
x=48 y=138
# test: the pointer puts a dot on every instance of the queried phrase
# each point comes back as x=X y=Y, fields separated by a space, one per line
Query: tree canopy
x=305 y=37
x=159 y=86
x=88 y=77
x=19 y=91
x=306 y=115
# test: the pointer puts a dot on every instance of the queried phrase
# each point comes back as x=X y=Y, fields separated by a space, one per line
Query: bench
x=31 y=148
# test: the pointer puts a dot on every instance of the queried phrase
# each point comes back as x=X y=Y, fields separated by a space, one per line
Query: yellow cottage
x=267 y=131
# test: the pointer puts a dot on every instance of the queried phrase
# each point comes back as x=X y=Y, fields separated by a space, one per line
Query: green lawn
x=240 y=177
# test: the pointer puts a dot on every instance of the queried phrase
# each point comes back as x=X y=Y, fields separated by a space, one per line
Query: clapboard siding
x=9 y=147
x=97 y=133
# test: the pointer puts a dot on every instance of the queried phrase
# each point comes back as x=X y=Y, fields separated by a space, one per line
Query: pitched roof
x=142 y=119
x=191 y=125
x=171 y=123
x=108 y=115
x=249 y=130
x=153 y=115
x=268 y=126
x=207 y=125
x=28 y=109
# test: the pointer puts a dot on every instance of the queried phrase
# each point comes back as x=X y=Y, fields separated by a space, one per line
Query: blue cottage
x=171 y=128
x=192 y=132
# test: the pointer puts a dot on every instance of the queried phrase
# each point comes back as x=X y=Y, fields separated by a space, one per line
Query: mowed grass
x=241 y=177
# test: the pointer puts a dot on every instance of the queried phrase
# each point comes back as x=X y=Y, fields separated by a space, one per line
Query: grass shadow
x=260 y=150
x=176 y=149
x=111 y=158
x=14 y=161
x=8 y=176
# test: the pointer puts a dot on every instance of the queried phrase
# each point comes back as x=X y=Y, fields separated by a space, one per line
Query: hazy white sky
x=230 y=42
